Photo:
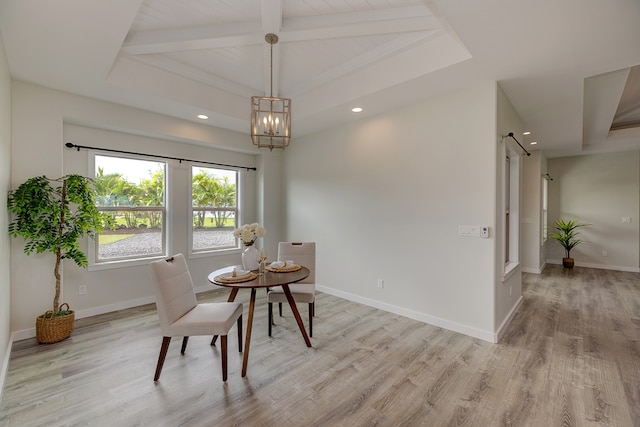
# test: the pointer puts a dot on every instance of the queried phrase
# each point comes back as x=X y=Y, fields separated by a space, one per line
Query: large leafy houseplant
x=567 y=237
x=52 y=215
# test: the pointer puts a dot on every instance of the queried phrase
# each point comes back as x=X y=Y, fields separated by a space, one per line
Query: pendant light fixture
x=270 y=117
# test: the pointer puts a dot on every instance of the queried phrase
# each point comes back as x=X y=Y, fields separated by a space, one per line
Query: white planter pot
x=250 y=258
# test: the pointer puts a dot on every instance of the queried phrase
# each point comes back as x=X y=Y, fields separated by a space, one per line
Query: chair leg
x=184 y=344
x=312 y=313
x=240 y=333
x=223 y=350
x=161 y=357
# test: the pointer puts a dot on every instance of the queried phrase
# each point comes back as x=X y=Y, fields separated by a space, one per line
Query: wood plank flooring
x=571 y=357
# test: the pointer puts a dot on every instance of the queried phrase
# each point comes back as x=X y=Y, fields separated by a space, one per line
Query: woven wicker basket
x=54 y=328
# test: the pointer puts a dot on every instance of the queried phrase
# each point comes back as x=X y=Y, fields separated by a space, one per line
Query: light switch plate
x=469 y=230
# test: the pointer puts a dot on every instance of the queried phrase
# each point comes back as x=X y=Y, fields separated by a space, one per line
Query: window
x=214 y=208
x=511 y=200
x=545 y=197
x=132 y=192
x=507 y=206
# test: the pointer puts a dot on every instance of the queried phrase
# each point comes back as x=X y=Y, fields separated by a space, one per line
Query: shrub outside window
x=214 y=208
x=132 y=192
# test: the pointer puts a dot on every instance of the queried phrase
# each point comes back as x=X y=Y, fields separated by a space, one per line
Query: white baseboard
x=431 y=320
x=534 y=270
x=598 y=266
x=508 y=319
x=94 y=311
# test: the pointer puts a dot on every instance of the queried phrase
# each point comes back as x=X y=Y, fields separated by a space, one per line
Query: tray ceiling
x=567 y=67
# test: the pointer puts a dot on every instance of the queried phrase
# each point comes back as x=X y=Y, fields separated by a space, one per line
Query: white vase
x=250 y=258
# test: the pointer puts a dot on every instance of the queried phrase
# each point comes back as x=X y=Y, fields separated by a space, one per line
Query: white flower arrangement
x=248 y=233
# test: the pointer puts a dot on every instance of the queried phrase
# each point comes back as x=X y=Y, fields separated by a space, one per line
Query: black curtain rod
x=514 y=138
x=78 y=147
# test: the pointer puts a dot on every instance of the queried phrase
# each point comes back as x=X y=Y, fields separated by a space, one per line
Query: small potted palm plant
x=52 y=215
x=567 y=237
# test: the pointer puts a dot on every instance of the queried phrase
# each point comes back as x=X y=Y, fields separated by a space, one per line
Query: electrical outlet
x=82 y=290
x=604 y=253
x=380 y=283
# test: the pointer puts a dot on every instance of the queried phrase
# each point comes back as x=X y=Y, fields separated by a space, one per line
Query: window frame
x=93 y=247
x=511 y=206
x=507 y=207
x=195 y=253
x=545 y=211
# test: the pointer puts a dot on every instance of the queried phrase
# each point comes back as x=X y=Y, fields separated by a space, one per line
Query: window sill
x=509 y=270
x=108 y=265
x=214 y=252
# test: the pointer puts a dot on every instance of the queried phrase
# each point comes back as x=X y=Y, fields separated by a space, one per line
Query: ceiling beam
x=414 y=22
x=271 y=13
x=271 y=16
x=379 y=17
x=394 y=20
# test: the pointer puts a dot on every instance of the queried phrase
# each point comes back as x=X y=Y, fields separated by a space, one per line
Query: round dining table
x=268 y=279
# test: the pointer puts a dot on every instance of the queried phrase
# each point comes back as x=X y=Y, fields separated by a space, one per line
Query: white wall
x=533 y=254
x=531 y=216
x=43 y=120
x=383 y=198
x=270 y=200
x=598 y=189
x=5 y=175
x=107 y=288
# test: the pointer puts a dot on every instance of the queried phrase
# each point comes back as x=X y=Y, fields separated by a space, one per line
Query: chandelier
x=270 y=117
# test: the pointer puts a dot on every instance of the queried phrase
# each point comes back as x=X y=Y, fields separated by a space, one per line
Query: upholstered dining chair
x=302 y=253
x=181 y=315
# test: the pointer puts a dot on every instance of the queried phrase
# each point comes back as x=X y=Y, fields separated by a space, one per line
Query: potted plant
x=52 y=215
x=567 y=236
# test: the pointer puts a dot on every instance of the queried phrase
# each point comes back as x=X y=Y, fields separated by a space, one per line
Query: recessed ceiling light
x=533 y=143
x=203 y=117
x=356 y=109
x=526 y=133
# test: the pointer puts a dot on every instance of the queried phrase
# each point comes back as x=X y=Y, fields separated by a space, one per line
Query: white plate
x=289 y=265
x=288 y=269
x=241 y=274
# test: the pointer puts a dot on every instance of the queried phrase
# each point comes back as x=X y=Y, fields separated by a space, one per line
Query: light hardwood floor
x=571 y=357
